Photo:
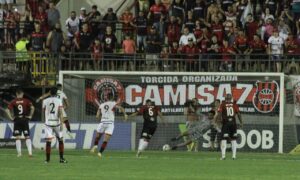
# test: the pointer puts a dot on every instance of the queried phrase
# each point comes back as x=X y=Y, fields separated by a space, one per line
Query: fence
x=44 y=66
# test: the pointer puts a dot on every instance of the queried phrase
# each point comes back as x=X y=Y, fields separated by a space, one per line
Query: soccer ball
x=166 y=147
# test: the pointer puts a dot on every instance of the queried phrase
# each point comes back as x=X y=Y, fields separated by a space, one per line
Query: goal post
x=260 y=96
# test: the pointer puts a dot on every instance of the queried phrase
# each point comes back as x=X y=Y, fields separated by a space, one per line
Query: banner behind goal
x=260 y=96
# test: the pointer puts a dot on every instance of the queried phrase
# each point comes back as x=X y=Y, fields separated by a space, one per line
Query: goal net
x=265 y=102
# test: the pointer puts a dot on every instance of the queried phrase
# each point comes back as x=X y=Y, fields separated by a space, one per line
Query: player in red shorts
x=20 y=111
x=228 y=110
x=150 y=113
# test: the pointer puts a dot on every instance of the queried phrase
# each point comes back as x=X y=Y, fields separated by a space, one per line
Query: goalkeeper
x=195 y=130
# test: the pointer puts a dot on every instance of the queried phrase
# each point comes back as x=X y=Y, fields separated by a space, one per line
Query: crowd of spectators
x=182 y=34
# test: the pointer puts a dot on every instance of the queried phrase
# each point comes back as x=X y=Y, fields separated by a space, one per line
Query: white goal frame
x=280 y=75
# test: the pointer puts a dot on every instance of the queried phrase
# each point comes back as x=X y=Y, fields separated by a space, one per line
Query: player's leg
x=225 y=136
x=58 y=133
x=188 y=142
x=233 y=137
x=100 y=131
x=48 y=138
x=66 y=122
x=146 y=135
x=17 y=134
x=213 y=134
x=109 y=129
x=26 y=133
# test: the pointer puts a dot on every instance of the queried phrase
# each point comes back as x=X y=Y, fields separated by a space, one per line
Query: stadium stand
x=160 y=35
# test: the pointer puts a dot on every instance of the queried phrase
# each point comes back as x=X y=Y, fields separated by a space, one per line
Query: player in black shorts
x=150 y=113
x=228 y=110
x=20 y=111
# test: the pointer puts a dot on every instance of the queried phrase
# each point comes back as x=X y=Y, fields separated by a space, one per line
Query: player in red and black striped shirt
x=228 y=110
x=20 y=111
x=150 y=113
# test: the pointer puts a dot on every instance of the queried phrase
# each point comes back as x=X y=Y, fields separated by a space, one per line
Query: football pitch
x=152 y=165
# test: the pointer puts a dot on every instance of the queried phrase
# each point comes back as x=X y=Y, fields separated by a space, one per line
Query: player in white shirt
x=106 y=112
x=61 y=95
x=52 y=109
x=275 y=47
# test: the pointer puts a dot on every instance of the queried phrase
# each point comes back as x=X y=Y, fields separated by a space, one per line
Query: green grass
x=152 y=165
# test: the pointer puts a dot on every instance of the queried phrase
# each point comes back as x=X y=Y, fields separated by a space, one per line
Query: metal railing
x=44 y=66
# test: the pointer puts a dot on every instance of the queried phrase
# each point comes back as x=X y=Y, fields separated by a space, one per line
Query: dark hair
x=94 y=7
x=19 y=90
x=148 y=101
x=212 y=112
x=58 y=85
x=53 y=91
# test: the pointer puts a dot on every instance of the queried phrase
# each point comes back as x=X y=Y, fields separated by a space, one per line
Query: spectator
x=251 y=27
x=97 y=28
x=267 y=30
x=93 y=14
x=273 y=6
x=55 y=39
x=257 y=51
x=241 y=6
x=110 y=19
x=83 y=43
x=190 y=21
x=129 y=49
x=109 y=42
x=212 y=11
x=275 y=49
x=42 y=18
x=2 y=19
x=173 y=30
x=53 y=15
x=177 y=10
x=143 y=5
x=175 y=56
x=83 y=17
x=185 y=36
x=164 y=58
x=241 y=47
x=291 y=50
x=11 y=24
x=127 y=20
x=199 y=10
x=33 y=6
x=28 y=23
x=283 y=29
x=287 y=17
x=188 y=4
x=214 y=49
x=22 y=57
x=227 y=52
x=97 y=54
x=38 y=39
x=153 y=48
x=216 y=28
x=267 y=15
x=8 y=2
x=72 y=25
x=226 y=4
x=157 y=15
x=191 y=53
x=140 y=23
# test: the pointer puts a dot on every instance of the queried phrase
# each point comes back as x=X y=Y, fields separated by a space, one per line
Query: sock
x=18 y=146
x=233 y=146
x=61 y=149
x=103 y=146
x=223 y=148
x=67 y=124
x=140 y=145
x=145 y=145
x=48 y=150
x=29 y=146
x=96 y=142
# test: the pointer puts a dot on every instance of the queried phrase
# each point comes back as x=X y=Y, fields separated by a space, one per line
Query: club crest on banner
x=105 y=86
x=266 y=96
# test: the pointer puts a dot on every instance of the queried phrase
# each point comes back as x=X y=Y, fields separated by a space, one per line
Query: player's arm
x=133 y=114
x=66 y=103
x=123 y=111
x=161 y=117
x=31 y=111
x=240 y=119
x=43 y=97
x=9 y=114
x=98 y=115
